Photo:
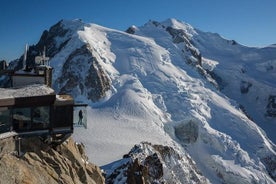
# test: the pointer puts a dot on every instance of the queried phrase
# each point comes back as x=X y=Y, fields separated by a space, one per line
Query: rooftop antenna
x=25 y=57
x=43 y=56
x=42 y=60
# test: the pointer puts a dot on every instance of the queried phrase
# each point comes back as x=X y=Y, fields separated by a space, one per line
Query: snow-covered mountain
x=167 y=83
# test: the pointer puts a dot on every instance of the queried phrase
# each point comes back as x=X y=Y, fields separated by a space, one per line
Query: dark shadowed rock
x=83 y=75
x=244 y=86
x=48 y=40
x=271 y=106
x=131 y=30
x=180 y=36
x=147 y=163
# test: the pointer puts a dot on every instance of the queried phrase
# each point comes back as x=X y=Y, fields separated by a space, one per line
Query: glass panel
x=63 y=116
x=80 y=116
x=41 y=117
x=21 y=119
x=4 y=119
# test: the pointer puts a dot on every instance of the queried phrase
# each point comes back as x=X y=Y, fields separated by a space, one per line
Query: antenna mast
x=25 y=57
x=42 y=60
x=43 y=56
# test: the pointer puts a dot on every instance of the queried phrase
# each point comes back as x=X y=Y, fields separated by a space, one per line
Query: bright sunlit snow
x=156 y=96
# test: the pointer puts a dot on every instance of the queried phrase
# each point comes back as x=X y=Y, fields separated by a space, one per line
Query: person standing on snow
x=80 y=117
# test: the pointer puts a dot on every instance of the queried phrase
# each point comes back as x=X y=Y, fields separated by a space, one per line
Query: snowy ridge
x=73 y=43
x=158 y=95
x=245 y=75
x=154 y=164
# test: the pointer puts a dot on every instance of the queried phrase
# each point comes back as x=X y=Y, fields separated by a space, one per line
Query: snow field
x=157 y=97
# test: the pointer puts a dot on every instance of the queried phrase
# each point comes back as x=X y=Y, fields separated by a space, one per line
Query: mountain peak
x=153 y=86
x=74 y=24
x=175 y=24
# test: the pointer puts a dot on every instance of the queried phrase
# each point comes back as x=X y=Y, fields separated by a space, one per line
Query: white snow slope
x=157 y=97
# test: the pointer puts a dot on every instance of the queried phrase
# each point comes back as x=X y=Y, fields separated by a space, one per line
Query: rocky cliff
x=76 y=64
x=147 y=163
x=38 y=162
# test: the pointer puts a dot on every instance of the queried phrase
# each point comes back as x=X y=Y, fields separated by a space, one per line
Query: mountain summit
x=210 y=99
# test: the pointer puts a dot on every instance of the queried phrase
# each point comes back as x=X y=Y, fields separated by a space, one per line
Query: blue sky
x=250 y=22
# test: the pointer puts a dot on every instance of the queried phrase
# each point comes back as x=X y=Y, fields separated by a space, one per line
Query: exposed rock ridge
x=83 y=75
x=147 y=163
x=191 y=54
x=40 y=163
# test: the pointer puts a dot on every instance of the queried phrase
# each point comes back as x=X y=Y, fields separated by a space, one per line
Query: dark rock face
x=148 y=172
x=47 y=40
x=233 y=42
x=270 y=163
x=271 y=106
x=147 y=163
x=179 y=36
x=220 y=82
x=244 y=87
x=131 y=30
x=81 y=72
x=155 y=23
x=83 y=75
x=245 y=112
x=154 y=166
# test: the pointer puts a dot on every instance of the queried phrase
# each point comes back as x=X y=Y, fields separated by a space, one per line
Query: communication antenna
x=25 y=56
x=38 y=60
x=42 y=60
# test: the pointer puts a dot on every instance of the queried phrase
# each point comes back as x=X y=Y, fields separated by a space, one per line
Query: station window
x=4 y=119
x=21 y=119
x=80 y=116
x=63 y=116
x=41 y=117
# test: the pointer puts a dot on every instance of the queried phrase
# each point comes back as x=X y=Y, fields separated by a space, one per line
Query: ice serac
x=244 y=74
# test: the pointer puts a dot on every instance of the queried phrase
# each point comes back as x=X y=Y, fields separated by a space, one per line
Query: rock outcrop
x=147 y=163
x=192 y=54
x=80 y=73
x=93 y=84
x=271 y=106
x=40 y=163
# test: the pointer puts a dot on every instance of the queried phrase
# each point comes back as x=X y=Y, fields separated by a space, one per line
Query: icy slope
x=245 y=74
x=159 y=84
x=157 y=97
